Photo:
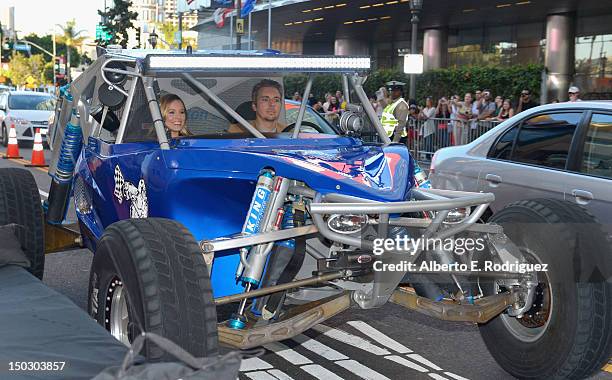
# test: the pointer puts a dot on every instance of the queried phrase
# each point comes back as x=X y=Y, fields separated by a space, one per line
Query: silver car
x=561 y=151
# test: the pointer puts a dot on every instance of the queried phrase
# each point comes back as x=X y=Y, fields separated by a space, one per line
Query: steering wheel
x=314 y=128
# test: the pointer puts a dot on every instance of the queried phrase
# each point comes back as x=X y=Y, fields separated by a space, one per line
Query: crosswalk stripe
x=253 y=364
x=280 y=375
x=361 y=370
x=350 y=339
x=437 y=377
x=287 y=353
x=380 y=337
x=320 y=372
x=422 y=360
x=456 y=377
x=44 y=194
x=319 y=348
x=406 y=363
x=260 y=375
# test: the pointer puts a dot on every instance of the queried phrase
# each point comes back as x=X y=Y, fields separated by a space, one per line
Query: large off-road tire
x=567 y=334
x=149 y=275
x=20 y=204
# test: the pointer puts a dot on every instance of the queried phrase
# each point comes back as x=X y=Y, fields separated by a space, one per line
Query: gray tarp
x=38 y=324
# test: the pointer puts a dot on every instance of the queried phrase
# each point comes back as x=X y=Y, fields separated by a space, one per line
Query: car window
x=545 y=139
x=597 y=152
x=310 y=116
x=503 y=147
x=31 y=102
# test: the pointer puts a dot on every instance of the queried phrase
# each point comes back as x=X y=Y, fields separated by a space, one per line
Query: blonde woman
x=174 y=114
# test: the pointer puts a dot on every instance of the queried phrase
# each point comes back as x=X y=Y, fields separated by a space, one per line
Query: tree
x=168 y=31
x=47 y=74
x=22 y=67
x=117 y=20
x=71 y=38
x=46 y=42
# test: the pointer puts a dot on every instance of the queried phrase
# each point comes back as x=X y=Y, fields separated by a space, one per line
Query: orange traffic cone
x=38 y=155
x=12 y=151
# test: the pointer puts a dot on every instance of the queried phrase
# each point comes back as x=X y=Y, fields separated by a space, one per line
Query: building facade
x=571 y=39
x=153 y=13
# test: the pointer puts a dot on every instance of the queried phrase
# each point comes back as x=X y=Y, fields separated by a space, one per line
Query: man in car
x=267 y=104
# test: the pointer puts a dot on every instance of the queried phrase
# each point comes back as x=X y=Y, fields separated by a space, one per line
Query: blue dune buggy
x=286 y=228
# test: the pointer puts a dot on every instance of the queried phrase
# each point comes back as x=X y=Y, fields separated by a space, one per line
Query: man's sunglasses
x=572 y=93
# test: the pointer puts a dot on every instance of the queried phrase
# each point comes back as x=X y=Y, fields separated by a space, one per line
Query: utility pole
x=180 y=30
x=54 y=55
x=238 y=22
x=415 y=8
x=269 y=24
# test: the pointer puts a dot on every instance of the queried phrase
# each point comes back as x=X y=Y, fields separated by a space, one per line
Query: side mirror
x=2 y=107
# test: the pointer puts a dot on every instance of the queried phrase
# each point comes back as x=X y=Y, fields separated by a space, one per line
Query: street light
x=415 y=8
x=153 y=39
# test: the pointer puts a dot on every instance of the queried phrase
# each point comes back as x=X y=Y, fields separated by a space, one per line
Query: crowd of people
x=452 y=120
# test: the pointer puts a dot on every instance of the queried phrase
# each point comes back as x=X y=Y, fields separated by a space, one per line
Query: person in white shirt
x=429 y=127
x=574 y=94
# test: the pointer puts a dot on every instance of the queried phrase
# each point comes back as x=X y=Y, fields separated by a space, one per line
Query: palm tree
x=71 y=37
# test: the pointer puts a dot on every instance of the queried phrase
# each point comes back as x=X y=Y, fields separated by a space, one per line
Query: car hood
x=341 y=165
x=31 y=115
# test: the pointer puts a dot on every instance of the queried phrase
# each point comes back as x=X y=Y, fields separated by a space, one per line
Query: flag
x=219 y=16
x=247 y=7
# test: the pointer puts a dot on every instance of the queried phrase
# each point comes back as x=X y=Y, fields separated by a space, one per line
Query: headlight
x=457 y=215
x=347 y=224
x=20 y=121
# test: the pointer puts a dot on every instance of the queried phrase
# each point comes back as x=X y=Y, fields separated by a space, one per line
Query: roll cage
x=116 y=76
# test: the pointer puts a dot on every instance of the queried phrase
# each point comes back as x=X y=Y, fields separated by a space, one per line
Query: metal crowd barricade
x=424 y=138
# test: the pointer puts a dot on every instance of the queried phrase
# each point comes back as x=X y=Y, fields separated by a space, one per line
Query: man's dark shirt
x=529 y=104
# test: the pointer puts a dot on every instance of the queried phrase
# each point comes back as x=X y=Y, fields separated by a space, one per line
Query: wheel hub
x=117 y=318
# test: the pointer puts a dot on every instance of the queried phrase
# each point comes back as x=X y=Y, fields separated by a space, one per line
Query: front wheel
x=149 y=275
x=567 y=331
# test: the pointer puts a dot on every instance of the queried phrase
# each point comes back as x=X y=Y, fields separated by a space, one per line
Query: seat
x=245 y=110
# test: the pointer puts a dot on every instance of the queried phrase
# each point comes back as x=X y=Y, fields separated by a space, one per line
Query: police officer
x=395 y=113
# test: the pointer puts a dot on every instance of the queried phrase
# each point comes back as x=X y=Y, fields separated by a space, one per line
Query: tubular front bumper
x=442 y=201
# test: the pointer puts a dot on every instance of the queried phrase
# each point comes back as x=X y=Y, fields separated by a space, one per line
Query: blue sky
x=41 y=16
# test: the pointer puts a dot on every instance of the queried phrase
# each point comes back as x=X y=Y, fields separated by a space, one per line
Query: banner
x=219 y=16
x=247 y=7
x=190 y=5
x=221 y=4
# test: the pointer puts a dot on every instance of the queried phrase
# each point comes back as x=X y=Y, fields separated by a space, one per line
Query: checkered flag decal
x=119 y=182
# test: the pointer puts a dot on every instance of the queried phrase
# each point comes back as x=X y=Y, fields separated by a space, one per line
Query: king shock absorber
x=256 y=260
x=62 y=179
x=256 y=212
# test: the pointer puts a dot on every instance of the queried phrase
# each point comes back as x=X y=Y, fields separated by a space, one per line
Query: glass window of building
x=594 y=66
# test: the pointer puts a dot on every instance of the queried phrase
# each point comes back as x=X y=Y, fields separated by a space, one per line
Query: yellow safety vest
x=388 y=120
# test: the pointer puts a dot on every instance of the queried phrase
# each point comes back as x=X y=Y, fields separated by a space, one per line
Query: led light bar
x=172 y=63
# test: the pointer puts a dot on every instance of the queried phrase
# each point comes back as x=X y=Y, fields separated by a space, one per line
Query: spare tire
x=567 y=332
x=20 y=204
x=149 y=275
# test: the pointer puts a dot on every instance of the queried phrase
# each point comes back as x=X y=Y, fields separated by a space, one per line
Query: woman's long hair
x=164 y=101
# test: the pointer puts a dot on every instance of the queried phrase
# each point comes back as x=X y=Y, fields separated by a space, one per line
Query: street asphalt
x=386 y=343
